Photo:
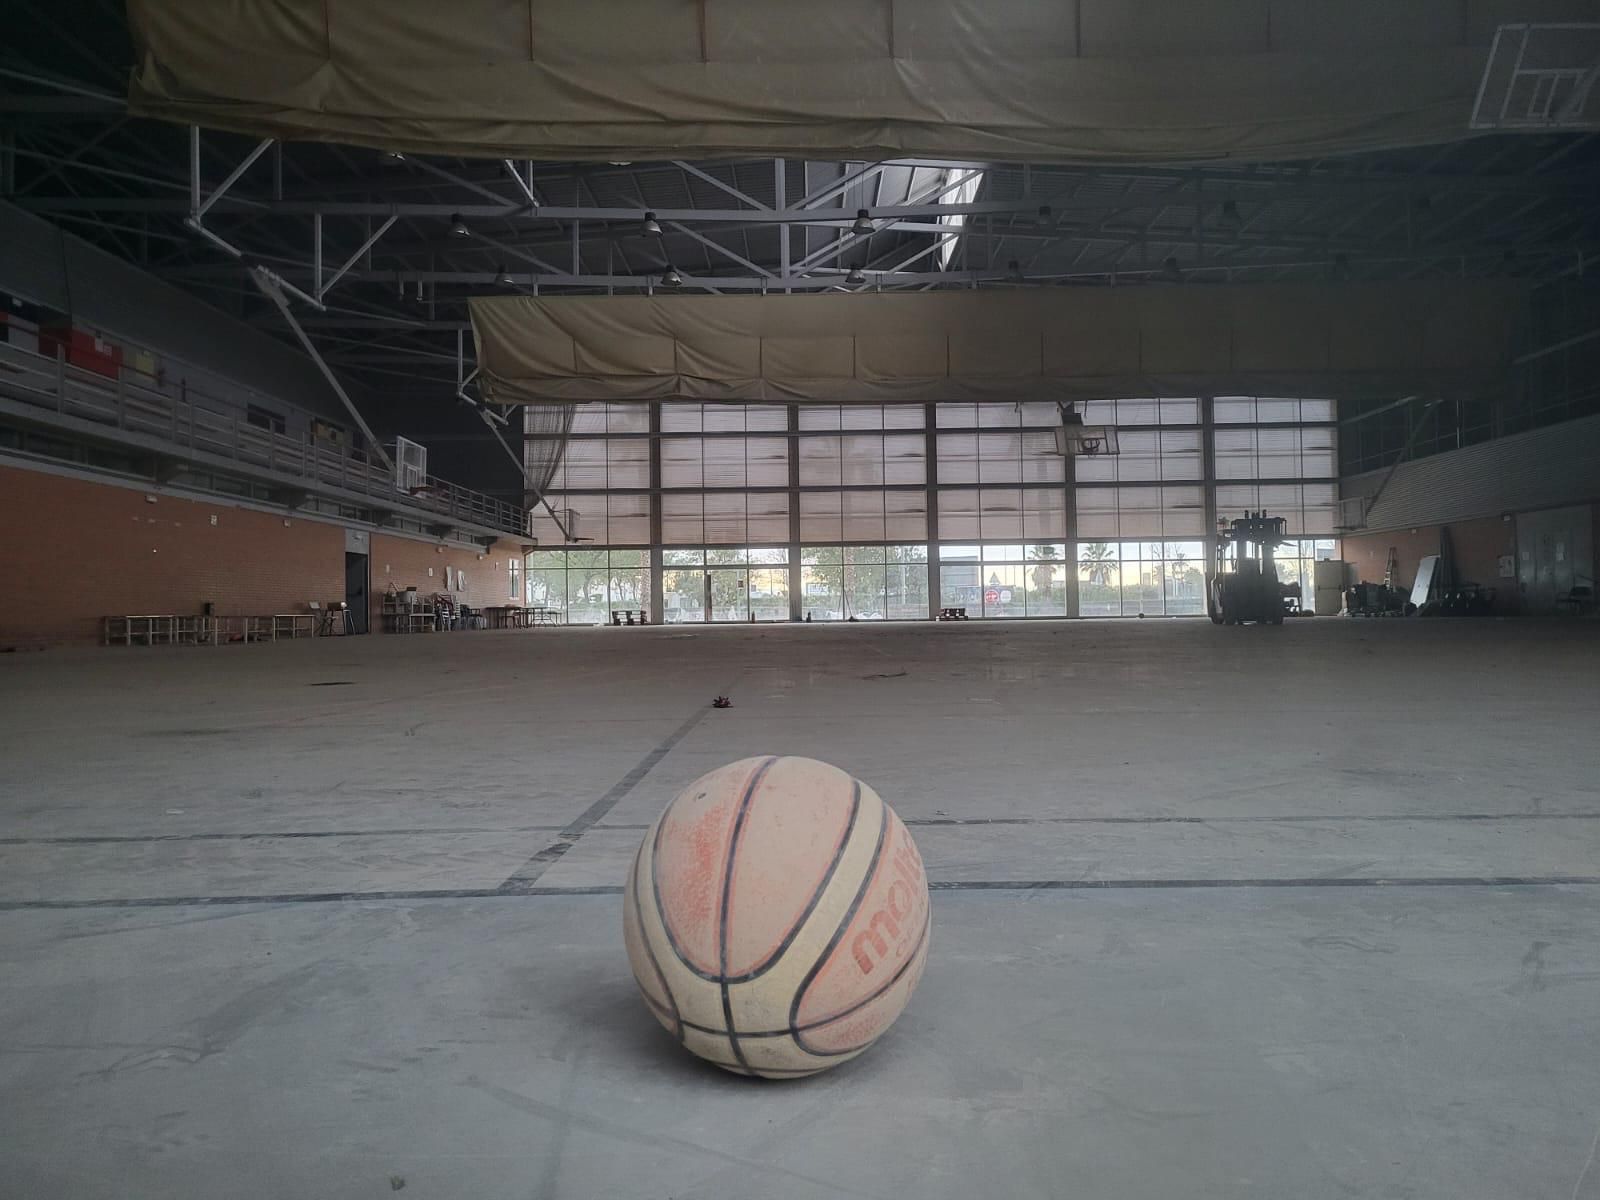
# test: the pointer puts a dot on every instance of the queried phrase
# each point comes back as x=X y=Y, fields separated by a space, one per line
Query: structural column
x=796 y=570
x=1070 y=477
x=1208 y=473
x=930 y=421
x=658 y=606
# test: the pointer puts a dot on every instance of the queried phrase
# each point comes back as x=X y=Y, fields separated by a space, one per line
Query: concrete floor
x=1301 y=912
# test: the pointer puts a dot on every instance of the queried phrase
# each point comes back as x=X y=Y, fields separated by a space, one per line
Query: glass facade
x=868 y=512
x=864 y=583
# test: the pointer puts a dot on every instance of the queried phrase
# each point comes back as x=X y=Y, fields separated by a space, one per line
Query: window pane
x=1046 y=580
x=729 y=594
x=1099 y=579
x=683 y=596
x=822 y=583
x=769 y=593
x=587 y=578
x=1004 y=593
x=906 y=581
x=865 y=585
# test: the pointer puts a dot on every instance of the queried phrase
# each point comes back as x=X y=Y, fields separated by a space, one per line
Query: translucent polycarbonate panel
x=820 y=464
x=821 y=516
x=958 y=514
x=958 y=457
x=681 y=462
x=861 y=459
x=1044 y=513
x=905 y=515
x=1000 y=513
x=627 y=463
x=863 y=517
x=905 y=458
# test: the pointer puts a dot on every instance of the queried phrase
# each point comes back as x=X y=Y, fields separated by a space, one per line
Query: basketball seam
x=771 y=960
x=727 y=900
x=655 y=888
x=655 y=965
x=860 y=1004
x=844 y=924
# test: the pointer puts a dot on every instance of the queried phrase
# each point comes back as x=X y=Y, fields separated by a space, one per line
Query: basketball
x=777 y=917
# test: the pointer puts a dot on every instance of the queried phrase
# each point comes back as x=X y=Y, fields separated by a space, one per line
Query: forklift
x=1243 y=586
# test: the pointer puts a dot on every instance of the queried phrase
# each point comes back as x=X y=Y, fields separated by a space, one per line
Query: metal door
x=1555 y=553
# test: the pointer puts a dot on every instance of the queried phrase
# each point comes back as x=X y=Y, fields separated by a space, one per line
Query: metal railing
x=196 y=422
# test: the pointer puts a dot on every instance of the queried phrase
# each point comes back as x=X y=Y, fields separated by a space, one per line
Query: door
x=1555 y=553
x=355 y=589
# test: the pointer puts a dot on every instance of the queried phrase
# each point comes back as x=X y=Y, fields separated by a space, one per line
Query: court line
x=527 y=875
x=927 y=822
x=952 y=885
x=95 y=839
x=919 y=822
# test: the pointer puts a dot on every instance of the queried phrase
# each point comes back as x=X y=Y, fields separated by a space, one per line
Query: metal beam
x=272 y=288
x=233 y=178
x=323 y=288
x=719 y=185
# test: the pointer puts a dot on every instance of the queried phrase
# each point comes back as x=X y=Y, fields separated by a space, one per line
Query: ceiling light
x=1170 y=271
x=863 y=223
x=1046 y=218
x=650 y=227
x=1230 y=212
x=855 y=275
x=503 y=279
x=672 y=278
x=394 y=156
x=1014 y=271
x=458 y=227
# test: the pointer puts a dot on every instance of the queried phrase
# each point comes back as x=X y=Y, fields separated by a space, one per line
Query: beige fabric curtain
x=1025 y=344
x=1067 y=80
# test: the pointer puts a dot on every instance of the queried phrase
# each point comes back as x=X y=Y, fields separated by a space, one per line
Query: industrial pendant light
x=863 y=224
x=458 y=227
x=855 y=275
x=650 y=227
x=672 y=277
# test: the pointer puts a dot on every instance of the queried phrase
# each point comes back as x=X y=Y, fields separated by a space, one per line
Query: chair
x=1580 y=599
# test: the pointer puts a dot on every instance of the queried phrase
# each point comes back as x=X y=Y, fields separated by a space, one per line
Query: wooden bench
x=625 y=616
x=957 y=613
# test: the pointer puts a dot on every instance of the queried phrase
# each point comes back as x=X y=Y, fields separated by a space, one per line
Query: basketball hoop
x=1075 y=438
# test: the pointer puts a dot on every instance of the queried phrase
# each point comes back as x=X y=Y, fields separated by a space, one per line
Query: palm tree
x=1044 y=573
x=1098 y=563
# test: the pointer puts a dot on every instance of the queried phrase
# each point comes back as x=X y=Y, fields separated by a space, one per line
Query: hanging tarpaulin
x=1068 y=80
x=1339 y=339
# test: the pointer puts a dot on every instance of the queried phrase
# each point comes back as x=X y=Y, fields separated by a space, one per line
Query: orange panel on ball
x=886 y=931
x=691 y=856
x=789 y=844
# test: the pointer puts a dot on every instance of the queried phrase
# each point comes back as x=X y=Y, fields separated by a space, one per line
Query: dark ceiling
x=1518 y=205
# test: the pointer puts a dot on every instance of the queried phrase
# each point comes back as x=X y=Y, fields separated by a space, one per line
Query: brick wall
x=1475 y=546
x=404 y=563
x=76 y=551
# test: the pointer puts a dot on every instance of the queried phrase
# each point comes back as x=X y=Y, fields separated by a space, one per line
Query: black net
x=545 y=429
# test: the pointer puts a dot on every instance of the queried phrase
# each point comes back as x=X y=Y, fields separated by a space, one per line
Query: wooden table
x=508 y=616
x=545 y=616
x=293 y=625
